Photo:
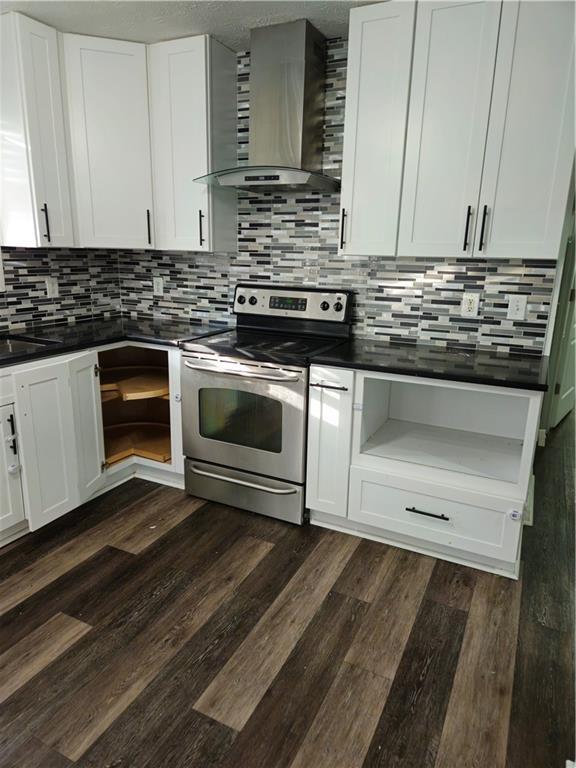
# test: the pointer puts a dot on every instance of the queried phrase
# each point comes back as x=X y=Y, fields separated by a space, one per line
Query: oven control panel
x=302 y=303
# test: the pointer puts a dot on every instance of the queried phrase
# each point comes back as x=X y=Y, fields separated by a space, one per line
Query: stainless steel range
x=244 y=397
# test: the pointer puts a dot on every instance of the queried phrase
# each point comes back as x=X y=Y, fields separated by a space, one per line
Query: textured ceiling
x=229 y=21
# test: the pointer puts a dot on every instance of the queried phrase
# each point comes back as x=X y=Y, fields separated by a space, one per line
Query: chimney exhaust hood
x=287 y=69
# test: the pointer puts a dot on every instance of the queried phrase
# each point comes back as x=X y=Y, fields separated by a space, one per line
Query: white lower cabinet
x=438 y=466
x=47 y=442
x=88 y=427
x=11 y=500
x=52 y=450
x=329 y=435
x=434 y=516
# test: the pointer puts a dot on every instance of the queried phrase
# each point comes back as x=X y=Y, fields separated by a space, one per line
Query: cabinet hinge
x=557 y=388
x=103 y=466
x=572 y=294
x=97 y=370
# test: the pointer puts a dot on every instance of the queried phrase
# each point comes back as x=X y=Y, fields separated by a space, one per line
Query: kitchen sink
x=16 y=345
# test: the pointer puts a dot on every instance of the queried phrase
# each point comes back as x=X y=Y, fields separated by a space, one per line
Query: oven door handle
x=260 y=376
x=235 y=481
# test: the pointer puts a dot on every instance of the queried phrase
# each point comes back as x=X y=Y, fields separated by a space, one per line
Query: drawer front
x=433 y=519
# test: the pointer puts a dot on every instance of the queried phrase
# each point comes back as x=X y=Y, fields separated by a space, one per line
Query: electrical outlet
x=517 y=306
x=158 y=286
x=52 y=291
x=469 y=304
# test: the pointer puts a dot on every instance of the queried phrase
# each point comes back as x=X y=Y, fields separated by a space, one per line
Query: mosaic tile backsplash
x=288 y=238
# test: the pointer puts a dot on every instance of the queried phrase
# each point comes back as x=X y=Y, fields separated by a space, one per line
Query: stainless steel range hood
x=287 y=66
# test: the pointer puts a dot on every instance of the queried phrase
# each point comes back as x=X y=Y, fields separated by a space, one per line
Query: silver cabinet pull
x=235 y=481
x=243 y=374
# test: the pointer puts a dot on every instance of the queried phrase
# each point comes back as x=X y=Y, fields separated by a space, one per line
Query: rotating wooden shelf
x=136 y=383
x=144 y=439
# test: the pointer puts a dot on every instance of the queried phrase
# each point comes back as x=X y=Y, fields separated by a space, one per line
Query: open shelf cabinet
x=442 y=430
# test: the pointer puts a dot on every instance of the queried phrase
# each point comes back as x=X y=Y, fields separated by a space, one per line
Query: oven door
x=248 y=416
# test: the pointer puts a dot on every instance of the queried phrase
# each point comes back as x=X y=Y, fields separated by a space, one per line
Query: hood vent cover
x=287 y=66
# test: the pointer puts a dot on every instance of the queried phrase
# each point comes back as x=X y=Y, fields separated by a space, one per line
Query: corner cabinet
x=107 y=99
x=192 y=85
x=35 y=194
x=490 y=142
x=330 y=401
x=378 y=82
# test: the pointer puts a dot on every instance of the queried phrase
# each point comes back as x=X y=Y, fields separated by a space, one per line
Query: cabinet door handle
x=44 y=209
x=12 y=424
x=466 y=231
x=342 y=226
x=483 y=228
x=330 y=386
x=200 y=217
x=13 y=446
x=148 y=226
x=426 y=514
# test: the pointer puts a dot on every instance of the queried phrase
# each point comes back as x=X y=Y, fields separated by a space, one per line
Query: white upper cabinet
x=35 y=195
x=378 y=80
x=192 y=85
x=453 y=70
x=530 y=144
x=107 y=97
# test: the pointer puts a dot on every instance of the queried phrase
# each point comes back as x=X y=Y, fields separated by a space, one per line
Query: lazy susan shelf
x=136 y=383
x=144 y=439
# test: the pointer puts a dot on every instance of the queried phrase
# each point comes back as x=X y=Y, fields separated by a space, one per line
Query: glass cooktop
x=264 y=347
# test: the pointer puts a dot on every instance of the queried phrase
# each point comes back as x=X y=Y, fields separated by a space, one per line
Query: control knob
x=338 y=307
x=324 y=306
x=241 y=299
x=252 y=300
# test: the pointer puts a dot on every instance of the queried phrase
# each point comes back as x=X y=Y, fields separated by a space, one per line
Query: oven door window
x=241 y=418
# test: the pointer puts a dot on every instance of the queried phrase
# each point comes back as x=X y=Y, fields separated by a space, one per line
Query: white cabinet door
x=88 y=427
x=378 y=79
x=329 y=439
x=179 y=130
x=530 y=145
x=11 y=501
x=47 y=445
x=107 y=96
x=36 y=208
x=452 y=76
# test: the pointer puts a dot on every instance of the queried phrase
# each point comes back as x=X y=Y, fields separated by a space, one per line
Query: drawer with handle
x=431 y=518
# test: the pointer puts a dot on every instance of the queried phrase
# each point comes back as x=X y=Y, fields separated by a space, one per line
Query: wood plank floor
x=148 y=629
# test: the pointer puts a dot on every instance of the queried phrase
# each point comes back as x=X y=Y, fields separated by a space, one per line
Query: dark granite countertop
x=428 y=361
x=70 y=338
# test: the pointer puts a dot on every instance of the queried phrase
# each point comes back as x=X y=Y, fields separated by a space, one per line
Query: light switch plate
x=469 y=305
x=158 y=286
x=517 y=303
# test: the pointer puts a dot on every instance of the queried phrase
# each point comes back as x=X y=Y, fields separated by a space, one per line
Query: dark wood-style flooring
x=152 y=630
